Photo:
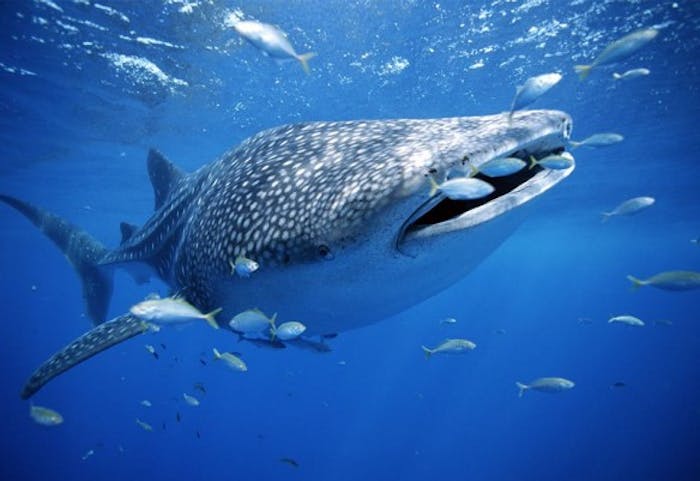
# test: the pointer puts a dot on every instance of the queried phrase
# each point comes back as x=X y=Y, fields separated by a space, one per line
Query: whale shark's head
x=472 y=142
x=336 y=212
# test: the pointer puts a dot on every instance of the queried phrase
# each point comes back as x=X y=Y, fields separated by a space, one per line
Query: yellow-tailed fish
x=45 y=416
x=546 y=384
x=669 y=281
x=618 y=50
x=271 y=41
x=171 y=310
x=449 y=346
x=231 y=360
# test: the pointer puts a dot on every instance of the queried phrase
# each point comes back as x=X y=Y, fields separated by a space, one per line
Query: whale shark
x=339 y=215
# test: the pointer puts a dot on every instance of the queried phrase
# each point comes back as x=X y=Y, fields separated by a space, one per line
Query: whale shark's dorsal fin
x=164 y=175
x=127 y=231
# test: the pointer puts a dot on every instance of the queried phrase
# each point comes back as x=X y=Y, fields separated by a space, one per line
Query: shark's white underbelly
x=367 y=284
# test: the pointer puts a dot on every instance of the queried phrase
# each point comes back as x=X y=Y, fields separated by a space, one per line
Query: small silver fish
x=143 y=425
x=532 y=89
x=45 y=416
x=151 y=350
x=448 y=320
x=630 y=74
x=546 y=384
x=271 y=41
x=171 y=310
x=627 y=319
x=554 y=161
x=598 y=140
x=243 y=266
x=146 y=403
x=251 y=321
x=88 y=454
x=630 y=207
x=618 y=50
x=500 y=167
x=191 y=400
x=669 y=281
x=449 y=346
x=461 y=188
x=288 y=330
x=231 y=360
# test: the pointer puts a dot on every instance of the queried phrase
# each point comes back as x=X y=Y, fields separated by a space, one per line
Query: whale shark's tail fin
x=80 y=248
x=94 y=341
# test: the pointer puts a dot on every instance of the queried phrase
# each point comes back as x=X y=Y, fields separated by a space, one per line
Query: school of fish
x=258 y=329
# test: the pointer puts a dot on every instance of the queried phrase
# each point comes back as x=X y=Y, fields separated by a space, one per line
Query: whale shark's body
x=337 y=214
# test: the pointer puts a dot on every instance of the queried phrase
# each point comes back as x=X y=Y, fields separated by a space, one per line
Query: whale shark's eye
x=325 y=252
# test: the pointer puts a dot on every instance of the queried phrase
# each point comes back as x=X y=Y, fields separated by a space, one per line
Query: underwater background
x=88 y=87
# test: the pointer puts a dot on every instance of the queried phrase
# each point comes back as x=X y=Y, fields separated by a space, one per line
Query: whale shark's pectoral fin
x=94 y=341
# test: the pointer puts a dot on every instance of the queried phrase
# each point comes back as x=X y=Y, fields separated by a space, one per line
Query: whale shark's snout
x=471 y=144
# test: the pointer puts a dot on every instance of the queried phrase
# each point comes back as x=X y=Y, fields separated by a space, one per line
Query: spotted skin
x=319 y=206
x=92 y=342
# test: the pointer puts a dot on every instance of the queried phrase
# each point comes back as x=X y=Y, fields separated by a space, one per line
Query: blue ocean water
x=88 y=87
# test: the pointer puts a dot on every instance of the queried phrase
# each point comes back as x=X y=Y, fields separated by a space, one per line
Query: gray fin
x=164 y=175
x=127 y=231
x=82 y=250
x=92 y=342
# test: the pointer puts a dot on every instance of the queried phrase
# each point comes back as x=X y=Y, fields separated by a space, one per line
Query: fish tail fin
x=533 y=162
x=574 y=144
x=434 y=187
x=636 y=283
x=304 y=61
x=273 y=327
x=82 y=251
x=616 y=76
x=428 y=352
x=605 y=216
x=211 y=317
x=96 y=340
x=521 y=388
x=473 y=170
x=583 y=71
x=217 y=354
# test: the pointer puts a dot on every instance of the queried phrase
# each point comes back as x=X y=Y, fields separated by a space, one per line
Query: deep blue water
x=76 y=124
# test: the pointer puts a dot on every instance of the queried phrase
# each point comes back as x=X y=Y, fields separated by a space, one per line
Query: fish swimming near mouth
x=310 y=202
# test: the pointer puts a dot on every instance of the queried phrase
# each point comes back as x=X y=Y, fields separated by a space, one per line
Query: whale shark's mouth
x=439 y=215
